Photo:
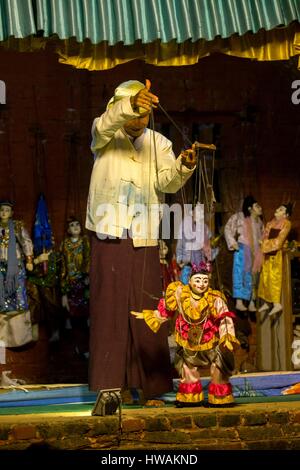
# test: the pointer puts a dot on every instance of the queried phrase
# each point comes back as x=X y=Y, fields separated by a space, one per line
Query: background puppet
x=274 y=236
x=15 y=247
x=243 y=232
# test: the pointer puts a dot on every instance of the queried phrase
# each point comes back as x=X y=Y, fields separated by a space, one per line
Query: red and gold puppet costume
x=205 y=336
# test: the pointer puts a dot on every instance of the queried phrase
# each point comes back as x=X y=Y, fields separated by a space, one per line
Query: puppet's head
x=200 y=277
x=6 y=210
x=251 y=207
x=284 y=211
x=73 y=227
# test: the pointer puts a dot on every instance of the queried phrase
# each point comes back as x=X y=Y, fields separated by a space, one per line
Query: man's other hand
x=189 y=157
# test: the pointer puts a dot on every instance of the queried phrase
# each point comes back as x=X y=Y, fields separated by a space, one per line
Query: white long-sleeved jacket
x=125 y=181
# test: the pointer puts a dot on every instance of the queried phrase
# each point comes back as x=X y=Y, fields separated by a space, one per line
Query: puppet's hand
x=138 y=315
x=235 y=246
x=229 y=343
x=150 y=317
x=29 y=266
x=41 y=258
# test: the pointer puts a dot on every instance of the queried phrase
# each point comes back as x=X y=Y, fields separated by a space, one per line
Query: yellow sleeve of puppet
x=230 y=342
x=170 y=297
x=151 y=320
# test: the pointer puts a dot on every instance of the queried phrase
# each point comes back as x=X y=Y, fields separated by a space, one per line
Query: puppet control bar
x=205 y=146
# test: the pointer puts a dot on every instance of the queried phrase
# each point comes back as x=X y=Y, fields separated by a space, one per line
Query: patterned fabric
x=241 y=276
x=247 y=232
x=17 y=299
x=74 y=273
x=24 y=243
x=50 y=278
x=270 y=282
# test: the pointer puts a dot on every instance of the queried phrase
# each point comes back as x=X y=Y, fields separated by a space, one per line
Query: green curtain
x=16 y=19
x=128 y=21
x=148 y=20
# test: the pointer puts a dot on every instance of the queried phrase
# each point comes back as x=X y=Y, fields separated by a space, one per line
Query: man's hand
x=144 y=99
x=189 y=157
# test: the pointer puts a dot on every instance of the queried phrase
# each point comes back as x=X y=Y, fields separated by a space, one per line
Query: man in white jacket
x=133 y=168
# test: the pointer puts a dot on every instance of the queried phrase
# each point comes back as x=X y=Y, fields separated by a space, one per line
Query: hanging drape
x=277 y=44
x=99 y=34
x=16 y=19
x=128 y=21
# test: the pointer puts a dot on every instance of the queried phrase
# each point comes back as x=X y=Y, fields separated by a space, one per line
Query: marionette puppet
x=16 y=253
x=74 y=277
x=274 y=236
x=243 y=233
x=205 y=336
x=43 y=282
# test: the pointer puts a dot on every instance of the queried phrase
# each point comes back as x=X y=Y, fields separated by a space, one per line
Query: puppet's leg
x=220 y=389
x=190 y=391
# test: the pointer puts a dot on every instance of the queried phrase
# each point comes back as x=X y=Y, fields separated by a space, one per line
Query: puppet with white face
x=205 y=336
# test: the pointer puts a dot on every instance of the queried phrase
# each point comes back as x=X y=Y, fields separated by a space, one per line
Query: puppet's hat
x=6 y=202
x=201 y=268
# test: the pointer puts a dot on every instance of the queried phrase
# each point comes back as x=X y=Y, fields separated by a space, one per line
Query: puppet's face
x=280 y=212
x=256 y=209
x=199 y=283
x=163 y=249
x=74 y=228
x=6 y=213
x=135 y=127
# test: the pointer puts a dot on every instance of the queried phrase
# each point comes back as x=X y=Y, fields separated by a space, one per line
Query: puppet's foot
x=276 y=308
x=240 y=306
x=251 y=306
x=264 y=307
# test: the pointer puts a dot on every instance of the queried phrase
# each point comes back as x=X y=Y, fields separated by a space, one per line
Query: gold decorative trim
x=200 y=347
x=220 y=400
x=190 y=397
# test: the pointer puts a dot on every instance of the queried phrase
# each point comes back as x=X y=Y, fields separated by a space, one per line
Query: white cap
x=129 y=88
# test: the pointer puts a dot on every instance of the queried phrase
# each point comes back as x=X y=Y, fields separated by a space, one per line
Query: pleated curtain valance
x=128 y=21
x=99 y=34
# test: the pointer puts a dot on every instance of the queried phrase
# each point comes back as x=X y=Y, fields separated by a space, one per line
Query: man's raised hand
x=144 y=99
